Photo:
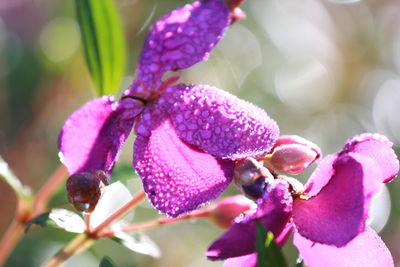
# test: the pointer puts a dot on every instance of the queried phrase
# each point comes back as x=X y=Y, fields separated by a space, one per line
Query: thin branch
x=141 y=195
x=49 y=188
x=155 y=223
x=78 y=244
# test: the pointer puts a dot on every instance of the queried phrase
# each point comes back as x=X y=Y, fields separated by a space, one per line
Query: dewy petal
x=242 y=261
x=178 y=177
x=338 y=212
x=93 y=135
x=367 y=249
x=377 y=147
x=240 y=239
x=220 y=123
x=180 y=39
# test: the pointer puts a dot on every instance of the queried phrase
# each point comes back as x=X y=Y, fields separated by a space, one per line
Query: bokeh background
x=323 y=69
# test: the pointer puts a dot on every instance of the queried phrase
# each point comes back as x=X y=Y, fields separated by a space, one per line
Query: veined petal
x=366 y=249
x=273 y=212
x=220 y=123
x=338 y=212
x=242 y=261
x=178 y=177
x=93 y=135
x=377 y=147
x=180 y=39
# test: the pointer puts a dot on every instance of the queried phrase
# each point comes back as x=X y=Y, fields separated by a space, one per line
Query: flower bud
x=225 y=211
x=250 y=176
x=292 y=154
x=84 y=189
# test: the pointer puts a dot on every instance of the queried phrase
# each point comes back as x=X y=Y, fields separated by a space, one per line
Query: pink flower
x=329 y=217
x=188 y=136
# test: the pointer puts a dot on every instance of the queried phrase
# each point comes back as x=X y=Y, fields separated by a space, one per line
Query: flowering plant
x=191 y=142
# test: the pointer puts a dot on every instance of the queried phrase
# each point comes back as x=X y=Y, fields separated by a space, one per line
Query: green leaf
x=268 y=252
x=61 y=219
x=107 y=262
x=22 y=191
x=138 y=242
x=103 y=43
x=123 y=172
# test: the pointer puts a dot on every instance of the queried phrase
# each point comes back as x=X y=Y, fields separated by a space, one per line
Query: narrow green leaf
x=268 y=252
x=107 y=262
x=6 y=174
x=59 y=218
x=103 y=43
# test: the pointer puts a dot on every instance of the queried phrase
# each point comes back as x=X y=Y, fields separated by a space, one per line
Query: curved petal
x=339 y=211
x=367 y=249
x=240 y=239
x=321 y=175
x=178 y=177
x=220 y=123
x=93 y=135
x=377 y=147
x=242 y=261
x=180 y=39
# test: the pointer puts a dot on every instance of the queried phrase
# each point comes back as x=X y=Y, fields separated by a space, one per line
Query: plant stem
x=85 y=240
x=10 y=239
x=141 y=195
x=27 y=206
x=155 y=223
x=78 y=244
x=48 y=189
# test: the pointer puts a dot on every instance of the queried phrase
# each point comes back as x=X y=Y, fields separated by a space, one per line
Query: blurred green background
x=323 y=69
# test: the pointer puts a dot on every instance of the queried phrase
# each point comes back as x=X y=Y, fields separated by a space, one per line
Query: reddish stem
x=48 y=189
x=141 y=195
x=157 y=222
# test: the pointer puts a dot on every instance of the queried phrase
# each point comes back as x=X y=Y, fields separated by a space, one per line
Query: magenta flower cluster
x=189 y=138
x=329 y=218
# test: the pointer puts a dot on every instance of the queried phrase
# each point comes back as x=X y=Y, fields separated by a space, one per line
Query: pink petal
x=367 y=249
x=242 y=261
x=239 y=240
x=339 y=211
x=377 y=147
x=220 y=123
x=180 y=39
x=273 y=212
x=93 y=135
x=178 y=177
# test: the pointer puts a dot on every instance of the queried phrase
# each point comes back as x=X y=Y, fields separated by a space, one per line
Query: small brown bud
x=84 y=189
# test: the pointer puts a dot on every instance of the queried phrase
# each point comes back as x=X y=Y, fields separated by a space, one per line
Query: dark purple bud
x=256 y=190
x=84 y=189
x=251 y=177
